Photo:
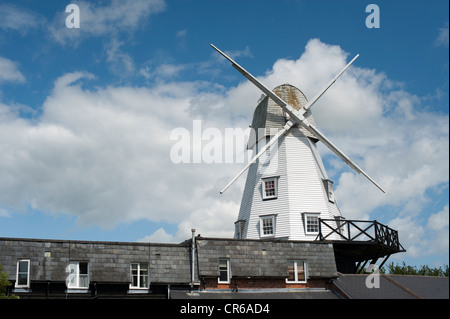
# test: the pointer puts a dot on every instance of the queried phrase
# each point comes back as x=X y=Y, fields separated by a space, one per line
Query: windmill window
x=296 y=271
x=23 y=274
x=329 y=189
x=267 y=226
x=311 y=224
x=270 y=188
x=265 y=158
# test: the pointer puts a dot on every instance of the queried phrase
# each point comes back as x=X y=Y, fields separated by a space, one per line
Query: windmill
x=297 y=176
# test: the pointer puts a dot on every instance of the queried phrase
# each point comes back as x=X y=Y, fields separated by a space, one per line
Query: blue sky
x=86 y=113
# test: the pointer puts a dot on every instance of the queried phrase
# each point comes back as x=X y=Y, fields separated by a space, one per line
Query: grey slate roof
x=108 y=261
x=260 y=258
x=393 y=287
x=425 y=287
x=256 y=294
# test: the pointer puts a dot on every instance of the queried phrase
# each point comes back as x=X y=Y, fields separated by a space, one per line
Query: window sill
x=21 y=289
x=77 y=290
x=138 y=290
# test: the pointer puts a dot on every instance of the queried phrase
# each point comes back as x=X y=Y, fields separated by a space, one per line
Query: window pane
x=72 y=268
x=22 y=279
x=134 y=281
x=83 y=268
x=312 y=224
x=267 y=226
x=223 y=270
x=23 y=266
x=133 y=269
x=83 y=281
x=223 y=276
x=269 y=188
x=300 y=271
x=223 y=264
x=144 y=269
x=291 y=271
x=143 y=283
x=71 y=281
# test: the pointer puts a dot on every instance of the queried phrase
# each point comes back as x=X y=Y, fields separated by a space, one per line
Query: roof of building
x=109 y=261
x=265 y=258
x=169 y=263
x=354 y=286
x=256 y=294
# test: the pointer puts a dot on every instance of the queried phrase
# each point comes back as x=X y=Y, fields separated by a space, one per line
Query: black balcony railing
x=358 y=230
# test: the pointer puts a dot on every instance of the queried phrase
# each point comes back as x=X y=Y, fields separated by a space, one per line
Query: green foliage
x=4 y=284
x=416 y=271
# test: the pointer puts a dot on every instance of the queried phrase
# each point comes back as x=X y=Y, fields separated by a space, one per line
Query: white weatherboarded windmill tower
x=287 y=189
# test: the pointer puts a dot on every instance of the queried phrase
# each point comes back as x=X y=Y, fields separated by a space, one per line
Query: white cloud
x=439 y=220
x=97 y=20
x=164 y=72
x=442 y=38
x=9 y=71
x=181 y=33
x=104 y=155
x=18 y=19
x=422 y=238
x=120 y=62
x=159 y=236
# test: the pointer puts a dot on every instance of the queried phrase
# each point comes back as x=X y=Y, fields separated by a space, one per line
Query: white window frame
x=75 y=266
x=227 y=281
x=140 y=269
x=266 y=156
x=329 y=189
x=262 y=226
x=27 y=285
x=275 y=187
x=295 y=270
x=311 y=215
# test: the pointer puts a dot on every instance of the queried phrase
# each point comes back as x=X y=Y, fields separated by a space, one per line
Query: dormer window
x=267 y=226
x=329 y=189
x=23 y=274
x=270 y=187
x=78 y=275
x=224 y=271
x=311 y=223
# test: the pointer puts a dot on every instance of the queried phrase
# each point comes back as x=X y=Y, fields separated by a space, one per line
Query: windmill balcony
x=357 y=242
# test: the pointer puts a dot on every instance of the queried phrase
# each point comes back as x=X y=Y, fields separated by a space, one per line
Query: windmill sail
x=297 y=117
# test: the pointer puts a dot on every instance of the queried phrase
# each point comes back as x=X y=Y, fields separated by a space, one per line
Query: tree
x=4 y=284
x=415 y=271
